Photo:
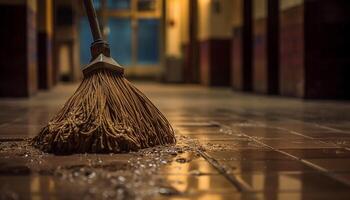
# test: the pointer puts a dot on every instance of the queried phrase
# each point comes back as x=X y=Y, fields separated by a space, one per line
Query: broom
x=106 y=114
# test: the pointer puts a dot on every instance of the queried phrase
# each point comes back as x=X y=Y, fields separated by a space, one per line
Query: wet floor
x=230 y=146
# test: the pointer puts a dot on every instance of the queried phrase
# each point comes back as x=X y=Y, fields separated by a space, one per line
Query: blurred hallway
x=256 y=90
x=230 y=146
x=294 y=48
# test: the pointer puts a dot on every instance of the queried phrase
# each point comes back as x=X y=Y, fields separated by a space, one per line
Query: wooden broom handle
x=94 y=25
x=99 y=45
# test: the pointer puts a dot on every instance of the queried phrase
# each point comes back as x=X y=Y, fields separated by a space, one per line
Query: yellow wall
x=213 y=24
x=184 y=21
x=177 y=34
x=45 y=18
x=203 y=19
x=259 y=9
x=210 y=23
x=221 y=22
x=286 y=4
x=237 y=13
x=173 y=32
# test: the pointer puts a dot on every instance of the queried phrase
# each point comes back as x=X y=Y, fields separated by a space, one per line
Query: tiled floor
x=230 y=146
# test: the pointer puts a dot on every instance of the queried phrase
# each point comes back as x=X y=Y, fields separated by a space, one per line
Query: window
x=146 y=5
x=119 y=4
x=120 y=39
x=148 y=41
x=132 y=28
x=85 y=41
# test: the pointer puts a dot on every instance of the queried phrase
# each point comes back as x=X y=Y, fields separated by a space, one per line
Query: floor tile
x=267 y=133
x=266 y=166
x=319 y=153
x=332 y=164
x=297 y=144
x=194 y=184
x=220 y=135
x=247 y=154
x=215 y=196
x=292 y=182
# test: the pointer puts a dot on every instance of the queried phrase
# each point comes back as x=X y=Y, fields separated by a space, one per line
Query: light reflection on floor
x=231 y=146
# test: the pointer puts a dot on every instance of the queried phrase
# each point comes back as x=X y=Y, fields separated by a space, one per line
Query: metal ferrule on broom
x=100 y=51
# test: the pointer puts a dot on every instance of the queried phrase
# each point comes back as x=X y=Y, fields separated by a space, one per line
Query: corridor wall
x=265 y=46
x=314 y=41
x=214 y=35
x=18 y=71
x=241 y=54
x=44 y=44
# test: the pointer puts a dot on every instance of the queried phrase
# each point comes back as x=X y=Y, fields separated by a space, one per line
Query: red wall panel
x=292 y=65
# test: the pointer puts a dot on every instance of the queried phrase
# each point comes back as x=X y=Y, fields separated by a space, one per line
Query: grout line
x=329 y=128
x=240 y=184
x=300 y=134
x=294 y=119
x=243 y=186
x=305 y=162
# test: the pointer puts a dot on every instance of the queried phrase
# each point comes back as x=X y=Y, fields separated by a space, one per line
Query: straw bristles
x=105 y=115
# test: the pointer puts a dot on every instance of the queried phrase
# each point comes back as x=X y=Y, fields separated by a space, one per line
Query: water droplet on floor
x=196 y=173
x=121 y=179
x=181 y=160
x=168 y=191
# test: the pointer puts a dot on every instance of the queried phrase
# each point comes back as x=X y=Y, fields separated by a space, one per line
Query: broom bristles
x=106 y=114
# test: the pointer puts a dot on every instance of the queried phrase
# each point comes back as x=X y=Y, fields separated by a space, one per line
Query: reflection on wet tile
x=340 y=142
x=292 y=182
x=319 y=195
x=196 y=168
x=225 y=127
x=296 y=126
x=266 y=166
x=29 y=187
x=334 y=165
x=343 y=175
x=195 y=125
x=198 y=130
x=200 y=120
x=187 y=156
x=19 y=131
x=327 y=134
x=213 y=136
x=319 y=153
x=6 y=119
x=241 y=143
x=297 y=144
x=247 y=154
x=46 y=164
x=266 y=132
x=215 y=196
x=195 y=184
x=339 y=125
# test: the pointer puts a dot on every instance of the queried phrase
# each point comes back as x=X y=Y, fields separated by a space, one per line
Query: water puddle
x=92 y=176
